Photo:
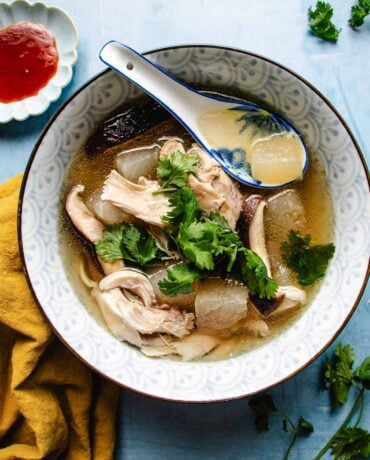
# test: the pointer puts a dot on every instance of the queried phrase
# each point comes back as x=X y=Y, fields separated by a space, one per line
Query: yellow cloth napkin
x=51 y=405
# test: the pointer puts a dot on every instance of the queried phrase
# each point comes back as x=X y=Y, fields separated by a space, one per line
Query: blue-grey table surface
x=152 y=429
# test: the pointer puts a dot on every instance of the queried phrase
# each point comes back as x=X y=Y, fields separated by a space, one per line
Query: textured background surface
x=150 y=429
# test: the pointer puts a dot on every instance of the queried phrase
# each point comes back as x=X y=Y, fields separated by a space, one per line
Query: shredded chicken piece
x=128 y=319
x=170 y=146
x=292 y=297
x=132 y=280
x=111 y=267
x=214 y=189
x=112 y=305
x=136 y=199
x=195 y=345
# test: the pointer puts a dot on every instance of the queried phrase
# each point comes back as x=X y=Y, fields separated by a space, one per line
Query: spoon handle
x=184 y=103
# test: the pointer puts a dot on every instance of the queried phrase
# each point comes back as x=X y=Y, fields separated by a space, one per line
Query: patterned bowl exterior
x=254 y=371
x=65 y=33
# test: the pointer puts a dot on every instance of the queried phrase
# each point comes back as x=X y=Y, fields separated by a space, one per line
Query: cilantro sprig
x=263 y=406
x=207 y=242
x=173 y=170
x=129 y=242
x=339 y=377
x=359 y=13
x=307 y=261
x=180 y=279
x=348 y=442
x=320 y=21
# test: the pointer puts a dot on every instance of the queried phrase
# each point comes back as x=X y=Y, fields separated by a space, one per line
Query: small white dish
x=66 y=35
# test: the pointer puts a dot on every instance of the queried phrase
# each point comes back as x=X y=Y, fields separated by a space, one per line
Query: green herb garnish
x=308 y=262
x=359 y=13
x=261 y=119
x=254 y=274
x=207 y=242
x=348 y=442
x=173 y=170
x=351 y=443
x=338 y=375
x=320 y=21
x=129 y=242
x=263 y=406
x=179 y=280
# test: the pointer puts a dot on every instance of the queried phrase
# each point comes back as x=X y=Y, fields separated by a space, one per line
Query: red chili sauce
x=28 y=60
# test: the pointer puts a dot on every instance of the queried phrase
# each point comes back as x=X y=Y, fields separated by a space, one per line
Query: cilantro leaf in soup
x=173 y=171
x=129 y=242
x=197 y=242
x=184 y=208
x=254 y=275
x=179 y=280
x=137 y=245
x=320 y=21
x=308 y=262
x=109 y=248
x=359 y=13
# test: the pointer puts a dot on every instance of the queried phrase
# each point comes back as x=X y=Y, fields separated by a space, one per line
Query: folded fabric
x=51 y=405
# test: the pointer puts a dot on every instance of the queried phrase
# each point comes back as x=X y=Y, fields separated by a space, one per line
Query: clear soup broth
x=312 y=193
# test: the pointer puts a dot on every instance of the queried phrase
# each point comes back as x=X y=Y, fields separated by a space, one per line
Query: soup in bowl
x=162 y=272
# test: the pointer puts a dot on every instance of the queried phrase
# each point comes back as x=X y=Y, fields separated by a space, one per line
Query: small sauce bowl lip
x=38 y=104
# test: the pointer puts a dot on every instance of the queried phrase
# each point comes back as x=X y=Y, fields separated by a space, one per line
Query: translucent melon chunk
x=277 y=159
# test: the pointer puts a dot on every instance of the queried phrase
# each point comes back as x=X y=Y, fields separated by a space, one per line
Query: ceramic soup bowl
x=323 y=130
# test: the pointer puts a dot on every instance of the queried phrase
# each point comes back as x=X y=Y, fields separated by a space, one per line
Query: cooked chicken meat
x=136 y=199
x=214 y=189
x=131 y=280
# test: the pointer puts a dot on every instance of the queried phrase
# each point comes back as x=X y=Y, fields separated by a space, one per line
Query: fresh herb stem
x=293 y=432
x=290 y=447
x=359 y=417
x=359 y=400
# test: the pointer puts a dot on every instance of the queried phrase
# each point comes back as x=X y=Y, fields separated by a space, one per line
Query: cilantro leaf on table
x=359 y=13
x=308 y=262
x=304 y=426
x=129 y=242
x=253 y=272
x=173 y=171
x=362 y=373
x=262 y=406
x=320 y=21
x=338 y=374
x=179 y=280
x=351 y=442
